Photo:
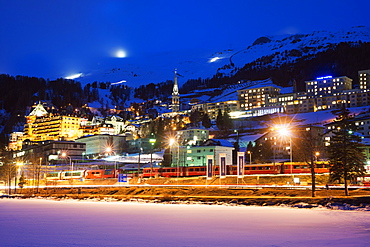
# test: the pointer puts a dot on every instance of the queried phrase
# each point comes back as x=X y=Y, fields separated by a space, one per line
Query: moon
x=120 y=53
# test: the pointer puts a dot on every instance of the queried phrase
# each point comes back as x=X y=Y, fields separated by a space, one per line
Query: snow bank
x=35 y=222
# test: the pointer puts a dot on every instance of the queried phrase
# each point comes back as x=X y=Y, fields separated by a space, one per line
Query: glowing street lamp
x=18 y=166
x=284 y=131
x=109 y=150
x=172 y=143
x=317 y=154
x=250 y=157
x=152 y=141
x=64 y=155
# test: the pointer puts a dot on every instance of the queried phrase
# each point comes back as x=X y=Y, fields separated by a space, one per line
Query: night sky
x=58 y=38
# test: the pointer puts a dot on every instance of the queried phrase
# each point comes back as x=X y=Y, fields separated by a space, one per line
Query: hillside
x=226 y=61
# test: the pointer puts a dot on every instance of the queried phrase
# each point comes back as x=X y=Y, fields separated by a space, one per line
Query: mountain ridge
x=202 y=63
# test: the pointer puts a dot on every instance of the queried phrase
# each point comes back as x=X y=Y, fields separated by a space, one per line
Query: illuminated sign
x=324 y=77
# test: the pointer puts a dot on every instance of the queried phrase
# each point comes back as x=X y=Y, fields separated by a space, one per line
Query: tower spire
x=175 y=94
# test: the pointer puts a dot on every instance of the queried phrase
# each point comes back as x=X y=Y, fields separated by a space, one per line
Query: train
x=191 y=171
x=83 y=174
x=254 y=169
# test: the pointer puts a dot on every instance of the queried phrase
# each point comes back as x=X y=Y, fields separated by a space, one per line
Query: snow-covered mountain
x=205 y=63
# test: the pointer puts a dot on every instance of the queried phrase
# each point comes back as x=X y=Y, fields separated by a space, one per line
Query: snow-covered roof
x=218 y=142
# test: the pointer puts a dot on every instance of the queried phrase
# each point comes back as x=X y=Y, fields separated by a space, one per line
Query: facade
x=53 y=128
x=348 y=98
x=192 y=136
x=197 y=155
x=301 y=104
x=117 y=123
x=140 y=145
x=360 y=123
x=50 y=151
x=281 y=99
x=42 y=125
x=111 y=125
x=274 y=146
x=15 y=141
x=212 y=108
x=327 y=85
x=364 y=78
x=257 y=96
x=97 y=145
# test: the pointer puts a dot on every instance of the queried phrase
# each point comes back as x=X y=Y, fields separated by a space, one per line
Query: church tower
x=175 y=95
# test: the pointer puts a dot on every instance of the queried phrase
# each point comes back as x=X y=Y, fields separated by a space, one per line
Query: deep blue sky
x=54 y=38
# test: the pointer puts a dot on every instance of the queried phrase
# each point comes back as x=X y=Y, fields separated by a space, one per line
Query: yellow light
x=283 y=130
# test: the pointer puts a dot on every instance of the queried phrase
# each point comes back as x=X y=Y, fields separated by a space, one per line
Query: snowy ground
x=38 y=222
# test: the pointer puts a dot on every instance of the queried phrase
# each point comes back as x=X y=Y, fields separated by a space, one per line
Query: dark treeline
x=159 y=91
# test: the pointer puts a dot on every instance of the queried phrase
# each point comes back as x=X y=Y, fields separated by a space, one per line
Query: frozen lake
x=38 y=222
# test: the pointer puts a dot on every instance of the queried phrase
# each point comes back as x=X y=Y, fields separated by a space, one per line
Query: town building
x=257 y=96
x=284 y=143
x=192 y=137
x=42 y=125
x=327 y=86
x=50 y=152
x=197 y=155
x=140 y=145
x=15 y=141
x=212 y=108
x=96 y=145
x=364 y=79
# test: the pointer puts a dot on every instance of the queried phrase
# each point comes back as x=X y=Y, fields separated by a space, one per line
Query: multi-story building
x=257 y=96
x=111 y=125
x=301 y=104
x=48 y=151
x=348 y=98
x=360 y=123
x=327 y=86
x=192 y=136
x=197 y=155
x=364 y=79
x=278 y=145
x=15 y=141
x=281 y=99
x=97 y=145
x=212 y=108
x=117 y=123
x=42 y=125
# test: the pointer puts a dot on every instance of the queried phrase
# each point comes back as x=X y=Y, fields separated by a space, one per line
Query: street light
x=109 y=150
x=237 y=135
x=17 y=172
x=138 y=163
x=173 y=142
x=250 y=157
x=64 y=155
x=152 y=141
x=284 y=131
x=317 y=154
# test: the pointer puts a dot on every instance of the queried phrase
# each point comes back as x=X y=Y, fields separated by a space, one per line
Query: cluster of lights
x=324 y=77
